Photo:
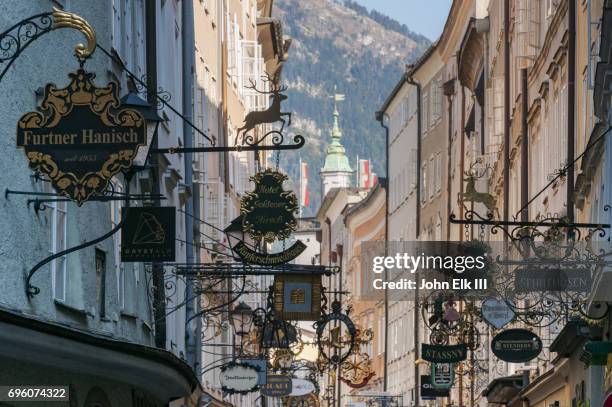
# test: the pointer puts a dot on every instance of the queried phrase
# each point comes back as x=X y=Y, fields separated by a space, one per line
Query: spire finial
x=338 y=97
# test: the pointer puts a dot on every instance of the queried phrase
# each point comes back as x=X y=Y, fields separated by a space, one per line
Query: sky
x=425 y=17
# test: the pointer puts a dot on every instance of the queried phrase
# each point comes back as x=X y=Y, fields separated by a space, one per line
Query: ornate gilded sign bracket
x=18 y=37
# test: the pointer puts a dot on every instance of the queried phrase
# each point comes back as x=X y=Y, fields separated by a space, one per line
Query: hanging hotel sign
x=80 y=136
x=297 y=297
x=516 y=345
x=268 y=211
x=250 y=256
x=442 y=375
x=148 y=234
x=239 y=378
x=444 y=353
x=278 y=385
x=496 y=312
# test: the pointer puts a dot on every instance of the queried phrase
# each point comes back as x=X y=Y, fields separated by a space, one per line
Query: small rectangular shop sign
x=298 y=297
x=429 y=392
x=443 y=353
x=148 y=234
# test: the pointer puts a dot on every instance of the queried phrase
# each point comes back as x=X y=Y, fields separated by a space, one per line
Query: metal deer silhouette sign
x=272 y=114
x=471 y=195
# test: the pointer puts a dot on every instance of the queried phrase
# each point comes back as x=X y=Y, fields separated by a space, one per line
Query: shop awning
x=57 y=347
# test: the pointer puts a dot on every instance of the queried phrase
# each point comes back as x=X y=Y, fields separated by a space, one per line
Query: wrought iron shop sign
x=148 y=234
x=239 y=378
x=528 y=280
x=277 y=385
x=278 y=334
x=444 y=353
x=496 y=312
x=429 y=392
x=442 y=375
x=268 y=211
x=80 y=136
x=334 y=347
x=259 y=364
x=307 y=400
x=301 y=387
x=516 y=345
x=298 y=297
x=250 y=256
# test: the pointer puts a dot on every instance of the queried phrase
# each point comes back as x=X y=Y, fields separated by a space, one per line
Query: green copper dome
x=336 y=159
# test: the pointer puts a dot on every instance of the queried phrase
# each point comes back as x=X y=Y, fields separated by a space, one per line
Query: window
x=438 y=173
x=424 y=184
x=426 y=120
x=251 y=72
x=243 y=183
x=236 y=73
x=413 y=168
x=128 y=38
x=57 y=221
x=436 y=108
x=119 y=266
x=101 y=281
x=551 y=6
x=432 y=177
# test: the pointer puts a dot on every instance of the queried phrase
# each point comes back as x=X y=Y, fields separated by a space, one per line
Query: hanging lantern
x=241 y=318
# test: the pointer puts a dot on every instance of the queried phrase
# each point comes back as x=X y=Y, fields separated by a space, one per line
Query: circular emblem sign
x=268 y=211
x=516 y=345
x=608 y=402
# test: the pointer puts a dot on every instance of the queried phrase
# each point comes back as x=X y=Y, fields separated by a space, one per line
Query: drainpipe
x=524 y=149
x=461 y=153
x=188 y=71
x=329 y=263
x=159 y=310
x=410 y=80
x=449 y=91
x=340 y=252
x=507 y=111
x=571 y=79
x=380 y=116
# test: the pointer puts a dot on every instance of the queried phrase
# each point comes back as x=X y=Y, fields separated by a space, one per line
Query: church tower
x=337 y=172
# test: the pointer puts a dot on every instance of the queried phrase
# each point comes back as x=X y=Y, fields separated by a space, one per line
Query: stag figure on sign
x=472 y=195
x=272 y=114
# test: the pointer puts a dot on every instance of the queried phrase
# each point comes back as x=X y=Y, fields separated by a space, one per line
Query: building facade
x=134 y=334
x=93 y=319
x=522 y=111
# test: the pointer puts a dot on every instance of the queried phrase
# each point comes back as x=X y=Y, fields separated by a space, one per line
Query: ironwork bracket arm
x=17 y=38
